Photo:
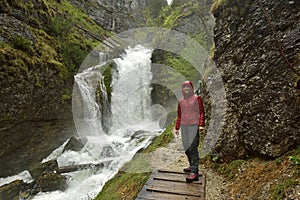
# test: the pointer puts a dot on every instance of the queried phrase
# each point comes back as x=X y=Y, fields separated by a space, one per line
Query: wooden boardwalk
x=166 y=185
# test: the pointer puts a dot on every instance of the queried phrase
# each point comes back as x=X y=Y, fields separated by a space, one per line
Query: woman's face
x=186 y=89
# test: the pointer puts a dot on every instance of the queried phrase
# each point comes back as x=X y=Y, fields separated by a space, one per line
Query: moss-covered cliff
x=42 y=45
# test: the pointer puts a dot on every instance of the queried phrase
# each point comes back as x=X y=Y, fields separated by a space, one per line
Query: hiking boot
x=192 y=177
x=188 y=169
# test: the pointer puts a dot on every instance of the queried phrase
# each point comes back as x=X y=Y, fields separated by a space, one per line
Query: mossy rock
x=51 y=182
x=38 y=169
x=11 y=190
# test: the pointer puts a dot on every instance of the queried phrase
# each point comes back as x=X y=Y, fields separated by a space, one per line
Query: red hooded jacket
x=190 y=110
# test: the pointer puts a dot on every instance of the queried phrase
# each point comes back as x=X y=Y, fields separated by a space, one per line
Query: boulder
x=11 y=190
x=75 y=144
x=51 y=181
x=38 y=169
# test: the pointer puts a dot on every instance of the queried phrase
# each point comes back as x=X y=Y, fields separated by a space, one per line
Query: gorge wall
x=114 y=15
x=41 y=46
x=257 y=51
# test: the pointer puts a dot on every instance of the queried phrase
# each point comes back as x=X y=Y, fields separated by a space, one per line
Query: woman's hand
x=201 y=128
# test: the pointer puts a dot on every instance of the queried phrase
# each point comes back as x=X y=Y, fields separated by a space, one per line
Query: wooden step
x=166 y=184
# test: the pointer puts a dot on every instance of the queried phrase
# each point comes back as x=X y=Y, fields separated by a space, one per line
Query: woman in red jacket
x=190 y=119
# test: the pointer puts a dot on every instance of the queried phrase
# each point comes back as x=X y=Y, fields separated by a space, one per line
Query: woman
x=190 y=119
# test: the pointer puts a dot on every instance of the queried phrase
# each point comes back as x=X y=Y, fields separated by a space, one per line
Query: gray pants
x=190 y=140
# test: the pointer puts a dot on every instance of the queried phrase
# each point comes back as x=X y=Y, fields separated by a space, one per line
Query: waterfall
x=131 y=98
x=116 y=128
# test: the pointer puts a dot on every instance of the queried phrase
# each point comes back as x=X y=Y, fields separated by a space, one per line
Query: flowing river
x=114 y=132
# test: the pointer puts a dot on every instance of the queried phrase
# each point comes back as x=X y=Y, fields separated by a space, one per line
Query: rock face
x=263 y=115
x=114 y=15
x=36 y=85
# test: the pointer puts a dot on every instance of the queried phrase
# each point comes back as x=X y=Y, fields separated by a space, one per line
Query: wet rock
x=51 y=181
x=11 y=190
x=75 y=144
x=261 y=117
x=107 y=152
x=138 y=134
x=38 y=169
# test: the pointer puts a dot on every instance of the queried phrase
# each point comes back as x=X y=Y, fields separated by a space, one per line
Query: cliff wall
x=257 y=51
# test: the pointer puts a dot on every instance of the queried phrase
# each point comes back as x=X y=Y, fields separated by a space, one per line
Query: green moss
x=22 y=43
x=58 y=26
x=171 y=17
x=63 y=44
x=182 y=66
x=229 y=170
x=161 y=140
x=108 y=79
x=123 y=186
x=73 y=55
x=126 y=185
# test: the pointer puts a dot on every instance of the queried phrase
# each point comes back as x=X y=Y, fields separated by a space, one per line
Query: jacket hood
x=191 y=93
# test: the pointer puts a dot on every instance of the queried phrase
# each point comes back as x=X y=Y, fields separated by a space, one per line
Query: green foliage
x=108 y=78
x=171 y=16
x=73 y=56
x=22 y=43
x=215 y=158
x=183 y=67
x=122 y=184
x=66 y=96
x=58 y=27
x=295 y=160
x=161 y=140
x=282 y=188
x=229 y=170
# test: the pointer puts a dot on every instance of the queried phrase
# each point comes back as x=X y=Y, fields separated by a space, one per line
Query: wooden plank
x=169 y=190
x=167 y=184
x=165 y=196
x=176 y=185
x=175 y=177
x=173 y=172
x=170 y=171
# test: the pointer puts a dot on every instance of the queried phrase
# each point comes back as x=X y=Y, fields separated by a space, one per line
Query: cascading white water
x=131 y=88
x=131 y=113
